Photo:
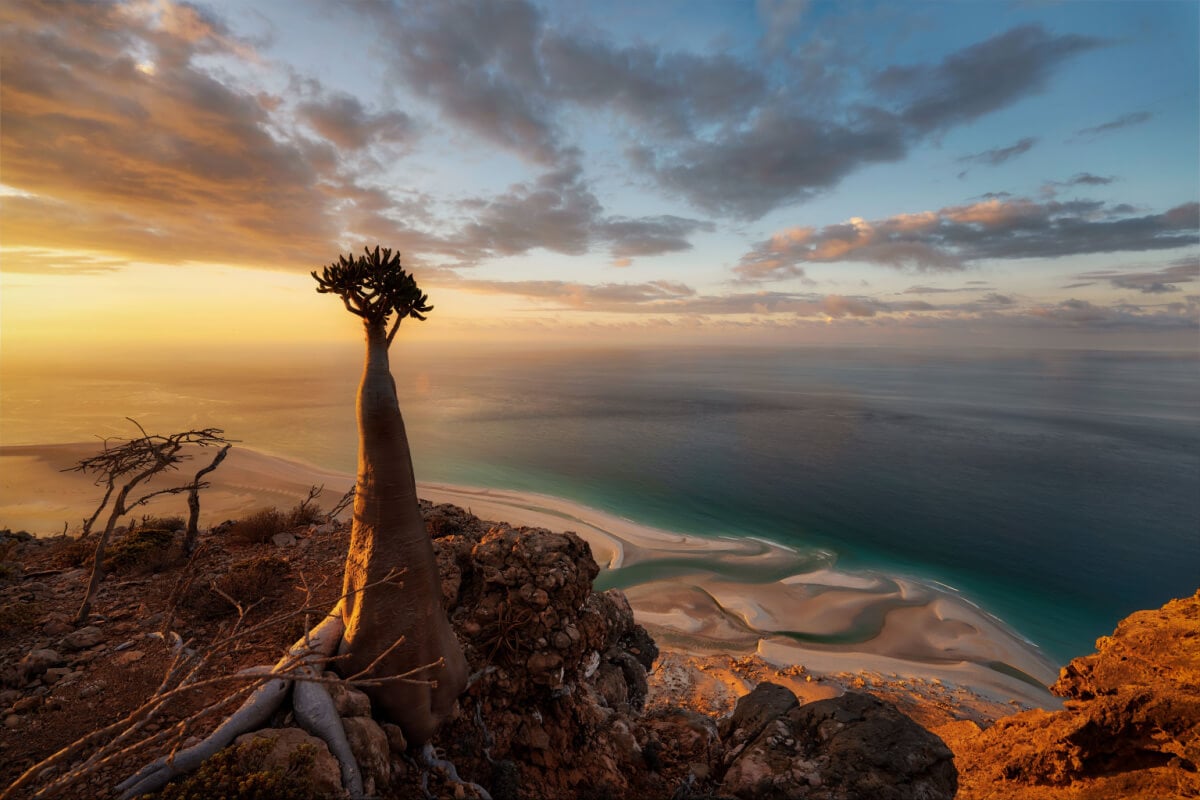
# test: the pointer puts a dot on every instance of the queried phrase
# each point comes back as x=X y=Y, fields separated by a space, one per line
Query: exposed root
x=429 y=758
x=315 y=712
x=317 y=645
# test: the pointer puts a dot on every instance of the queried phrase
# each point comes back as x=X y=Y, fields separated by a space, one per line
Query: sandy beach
x=695 y=594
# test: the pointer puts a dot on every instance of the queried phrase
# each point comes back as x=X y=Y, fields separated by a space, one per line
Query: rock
x=283 y=539
x=56 y=674
x=57 y=627
x=682 y=742
x=128 y=657
x=842 y=748
x=395 y=737
x=83 y=638
x=91 y=690
x=348 y=701
x=27 y=704
x=36 y=662
x=1131 y=721
x=12 y=721
x=610 y=684
x=752 y=713
x=372 y=750
x=325 y=775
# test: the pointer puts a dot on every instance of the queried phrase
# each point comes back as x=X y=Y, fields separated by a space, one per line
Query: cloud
x=1123 y=121
x=668 y=94
x=1160 y=281
x=342 y=120
x=478 y=64
x=999 y=155
x=979 y=79
x=780 y=18
x=121 y=142
x=952 y=237
x=580 y=296
x=558 y=212
x=52 y=262
x=1075 y=313
x=780 y=158
x=727 y=137
x=1050 y=188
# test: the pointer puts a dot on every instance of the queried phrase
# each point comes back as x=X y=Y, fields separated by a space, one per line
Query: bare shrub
x=246 y=583
x=303 y=515
x=171 y=523
x=142 y=550
x=259 y=527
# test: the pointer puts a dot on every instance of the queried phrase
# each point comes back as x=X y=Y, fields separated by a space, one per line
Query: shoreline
x=696 y=595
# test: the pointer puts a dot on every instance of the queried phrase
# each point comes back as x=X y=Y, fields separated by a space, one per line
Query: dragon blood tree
x=388 y=534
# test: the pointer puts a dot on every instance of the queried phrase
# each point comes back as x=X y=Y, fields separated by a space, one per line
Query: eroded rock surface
x=853 y=746
x=1130 y=726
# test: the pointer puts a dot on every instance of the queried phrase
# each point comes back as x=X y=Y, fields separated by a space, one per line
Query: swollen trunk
x=388 y=537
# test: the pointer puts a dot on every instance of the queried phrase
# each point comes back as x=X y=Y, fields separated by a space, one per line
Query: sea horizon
x=1052 y=488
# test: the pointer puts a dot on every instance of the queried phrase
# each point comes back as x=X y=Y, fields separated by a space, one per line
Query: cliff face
x=1130 y=726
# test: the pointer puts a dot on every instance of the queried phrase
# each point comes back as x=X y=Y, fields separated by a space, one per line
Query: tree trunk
x=193 y=501
x=388 y=535
x=85 y=608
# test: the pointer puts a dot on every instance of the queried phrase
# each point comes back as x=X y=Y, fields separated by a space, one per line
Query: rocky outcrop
x=556 y=666
x=853 y=746
x=1130 y=726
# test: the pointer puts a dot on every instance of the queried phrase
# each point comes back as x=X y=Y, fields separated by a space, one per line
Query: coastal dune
x=693 y=593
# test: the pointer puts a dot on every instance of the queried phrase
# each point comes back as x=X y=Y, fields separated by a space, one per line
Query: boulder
x=843 y=748
x=372 y=751
x=752 y=713
x=324 y=774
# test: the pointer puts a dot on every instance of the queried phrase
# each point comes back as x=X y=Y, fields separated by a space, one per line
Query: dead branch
x=193 y=530
x=341 y=505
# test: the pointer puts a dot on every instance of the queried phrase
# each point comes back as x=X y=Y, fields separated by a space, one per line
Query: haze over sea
x=1059 y=490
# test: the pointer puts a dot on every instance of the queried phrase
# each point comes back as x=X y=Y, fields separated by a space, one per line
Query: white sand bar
x=712 y=594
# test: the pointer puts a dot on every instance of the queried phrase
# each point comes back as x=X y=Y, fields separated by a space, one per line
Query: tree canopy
x=374 y=286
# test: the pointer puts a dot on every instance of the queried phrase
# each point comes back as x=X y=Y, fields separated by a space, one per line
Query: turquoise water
x=1058 y=490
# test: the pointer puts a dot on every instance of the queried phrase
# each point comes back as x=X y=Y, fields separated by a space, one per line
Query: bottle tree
x=392 y=626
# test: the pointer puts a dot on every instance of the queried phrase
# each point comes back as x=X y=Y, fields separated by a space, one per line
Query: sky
x=780 y=173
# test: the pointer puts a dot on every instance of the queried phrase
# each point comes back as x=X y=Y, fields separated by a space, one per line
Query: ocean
x=1058 y=490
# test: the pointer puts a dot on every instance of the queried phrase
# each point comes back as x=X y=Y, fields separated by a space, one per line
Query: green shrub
x=238 y=773
x=142 y=550
x=259 y=527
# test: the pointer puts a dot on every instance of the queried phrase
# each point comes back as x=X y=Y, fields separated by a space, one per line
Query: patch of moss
x=238 y=773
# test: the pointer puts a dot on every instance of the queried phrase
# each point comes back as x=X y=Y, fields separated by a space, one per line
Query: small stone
x=36 y=662
x=283 y=539
x=57 y=627
x=55 y=674
x=12 y=721
x=90 y=691
x=83 y=638
x=27 y=704
x=128 y=657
